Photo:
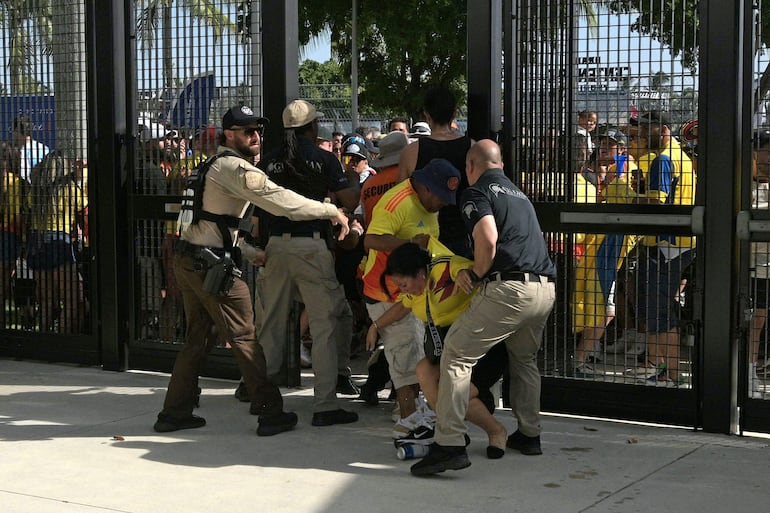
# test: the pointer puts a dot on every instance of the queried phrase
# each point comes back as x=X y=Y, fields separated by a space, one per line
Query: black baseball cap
x=241 y=115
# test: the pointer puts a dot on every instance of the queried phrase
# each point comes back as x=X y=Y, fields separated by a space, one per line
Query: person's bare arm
x=393 y=314
x=408 y=161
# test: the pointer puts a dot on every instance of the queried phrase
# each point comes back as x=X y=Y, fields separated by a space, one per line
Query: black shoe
x=241 y=393
x=270 y=425
x=529 y=445
x=495 y=453
x=369 y=395
x=345 y=386
x=165 y=424
x=328 y=418
x=441 y=458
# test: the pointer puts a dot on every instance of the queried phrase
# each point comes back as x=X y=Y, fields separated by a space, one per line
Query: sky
x=318 y=49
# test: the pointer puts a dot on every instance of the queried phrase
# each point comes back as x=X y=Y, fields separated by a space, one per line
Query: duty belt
x=184 y=248
x=518 y=276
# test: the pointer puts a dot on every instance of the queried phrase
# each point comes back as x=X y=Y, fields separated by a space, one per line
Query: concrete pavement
x=79 y=439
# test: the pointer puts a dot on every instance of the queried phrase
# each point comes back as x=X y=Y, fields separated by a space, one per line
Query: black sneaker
x=529 y=445
x=270 y=425
x=241 y=393
x=345 y=386
x=166 y=424
x=421 y=435
x=329 y=418
x=441 y=458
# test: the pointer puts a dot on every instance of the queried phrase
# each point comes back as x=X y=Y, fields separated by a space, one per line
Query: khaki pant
x=510 y=311
x=304 y=266
x=232 y=314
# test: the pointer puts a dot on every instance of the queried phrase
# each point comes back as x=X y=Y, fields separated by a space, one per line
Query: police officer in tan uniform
x=231 y=184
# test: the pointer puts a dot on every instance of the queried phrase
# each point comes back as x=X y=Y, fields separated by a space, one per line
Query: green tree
x=329 y=72
x=400 y=57
x=324 y=84
x=29 y=27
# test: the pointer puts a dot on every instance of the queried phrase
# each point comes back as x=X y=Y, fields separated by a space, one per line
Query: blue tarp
x=191 y=108
x=38 y=108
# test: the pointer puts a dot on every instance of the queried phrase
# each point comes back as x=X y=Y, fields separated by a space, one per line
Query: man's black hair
x=397 y=120
x=441 y=104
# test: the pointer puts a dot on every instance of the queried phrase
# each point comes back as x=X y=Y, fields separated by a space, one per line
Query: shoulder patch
x=469 y=208
x=255 y=180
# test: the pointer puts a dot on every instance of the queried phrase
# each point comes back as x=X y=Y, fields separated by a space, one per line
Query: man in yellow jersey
x=670 y=181
x=406 y=213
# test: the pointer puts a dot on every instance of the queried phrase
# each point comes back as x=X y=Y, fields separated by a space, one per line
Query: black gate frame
x=725 y=72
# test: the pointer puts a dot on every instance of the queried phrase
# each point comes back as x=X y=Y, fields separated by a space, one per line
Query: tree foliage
x=329 y=72
x=29 y=27
x=673 y=23
x=400 y=57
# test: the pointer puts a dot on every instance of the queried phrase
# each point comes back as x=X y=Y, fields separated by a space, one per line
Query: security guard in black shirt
x=516 y=280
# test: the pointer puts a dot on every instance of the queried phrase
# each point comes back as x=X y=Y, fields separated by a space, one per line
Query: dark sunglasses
x=250 y=131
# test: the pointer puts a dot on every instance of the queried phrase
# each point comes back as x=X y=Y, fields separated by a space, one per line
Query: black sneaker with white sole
x=421 y=435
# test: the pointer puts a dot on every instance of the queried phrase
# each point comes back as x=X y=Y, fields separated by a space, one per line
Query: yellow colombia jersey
x=13 y=202
x=399 y=213
x=671 y=180
x=447 y=300
x=603 y=256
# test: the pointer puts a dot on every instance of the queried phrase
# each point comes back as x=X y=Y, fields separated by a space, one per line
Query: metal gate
x=191 y=66
x=139 y=86
x=587 y=83
x=753 y=231
x=46 y=268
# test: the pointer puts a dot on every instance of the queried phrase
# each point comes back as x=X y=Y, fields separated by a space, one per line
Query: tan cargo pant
x=510 y=311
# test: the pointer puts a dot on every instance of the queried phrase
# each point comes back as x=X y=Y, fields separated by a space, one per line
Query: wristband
x=374 y=323
x=474 y=276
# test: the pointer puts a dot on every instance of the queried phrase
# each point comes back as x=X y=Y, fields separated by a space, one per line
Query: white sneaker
x=645 y=372
x=406 y=425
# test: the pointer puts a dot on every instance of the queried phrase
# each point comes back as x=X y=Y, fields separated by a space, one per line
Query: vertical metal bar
x=720 y=71
x=509 y=57
x=107 y=22
x=280 y=33
x=484 y=50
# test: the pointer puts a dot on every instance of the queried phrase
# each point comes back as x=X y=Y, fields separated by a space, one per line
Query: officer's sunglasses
x=250 y=131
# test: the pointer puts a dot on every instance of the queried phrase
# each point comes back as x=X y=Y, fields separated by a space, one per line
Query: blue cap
x=441 y=178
